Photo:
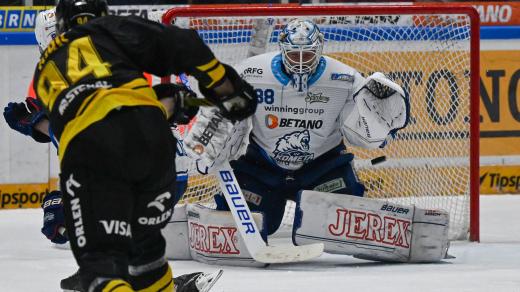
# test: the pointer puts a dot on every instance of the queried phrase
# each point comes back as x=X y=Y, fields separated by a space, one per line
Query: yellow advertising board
x=18 y=196
x=500 y=103
x=19 y=18
x=500 y=179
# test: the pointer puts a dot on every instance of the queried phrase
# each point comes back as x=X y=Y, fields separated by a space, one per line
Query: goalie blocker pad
x=208 y=236
x=370 y=229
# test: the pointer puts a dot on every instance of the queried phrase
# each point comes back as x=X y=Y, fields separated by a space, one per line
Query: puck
x=378 y=160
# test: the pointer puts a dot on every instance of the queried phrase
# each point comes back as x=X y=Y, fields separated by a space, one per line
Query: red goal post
x=431 y=50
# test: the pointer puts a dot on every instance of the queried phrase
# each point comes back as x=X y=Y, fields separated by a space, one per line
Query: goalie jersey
x=292 y=128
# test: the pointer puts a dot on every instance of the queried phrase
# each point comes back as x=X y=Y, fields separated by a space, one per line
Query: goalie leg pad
x=176 y=235
x=370 y=229
x=214 y=238
x=430 y=235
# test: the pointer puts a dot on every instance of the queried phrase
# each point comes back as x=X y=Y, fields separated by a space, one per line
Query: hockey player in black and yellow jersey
x=115 y=146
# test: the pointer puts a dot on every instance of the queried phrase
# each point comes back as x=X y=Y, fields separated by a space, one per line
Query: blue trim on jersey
x=277 y=68
x=53 y=138
x=182 y=176
x=319 y=71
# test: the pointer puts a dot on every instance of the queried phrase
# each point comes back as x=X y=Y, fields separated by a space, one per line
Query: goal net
x=432 y=52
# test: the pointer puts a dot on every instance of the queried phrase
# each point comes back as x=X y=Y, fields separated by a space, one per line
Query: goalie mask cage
x=431 y=51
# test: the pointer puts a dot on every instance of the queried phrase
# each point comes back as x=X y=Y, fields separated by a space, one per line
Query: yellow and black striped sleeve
x=164 y=50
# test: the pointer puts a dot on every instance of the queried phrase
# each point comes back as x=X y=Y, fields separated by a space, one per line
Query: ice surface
x=28 y=262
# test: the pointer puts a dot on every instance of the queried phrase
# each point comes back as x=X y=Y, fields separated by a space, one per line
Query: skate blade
x=288 y=253
x=205 y=283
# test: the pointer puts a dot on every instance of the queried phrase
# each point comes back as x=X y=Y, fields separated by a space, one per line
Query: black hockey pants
x=118 y=180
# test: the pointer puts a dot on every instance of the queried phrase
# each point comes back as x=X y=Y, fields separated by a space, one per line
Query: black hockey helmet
x=70 y=13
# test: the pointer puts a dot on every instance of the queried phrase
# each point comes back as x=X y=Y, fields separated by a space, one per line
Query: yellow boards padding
x=500 y=103
x=499 y=179
x=18 y=196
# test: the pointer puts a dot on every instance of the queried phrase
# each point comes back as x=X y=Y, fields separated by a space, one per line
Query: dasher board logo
x=18 y=197
x=497 y=180
x=293 y=148
x=17 y=18
x=144 y=11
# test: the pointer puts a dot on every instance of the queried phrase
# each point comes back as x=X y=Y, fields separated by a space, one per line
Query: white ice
x=28 y=262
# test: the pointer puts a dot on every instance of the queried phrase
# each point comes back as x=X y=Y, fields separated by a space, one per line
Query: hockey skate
x=194 y=282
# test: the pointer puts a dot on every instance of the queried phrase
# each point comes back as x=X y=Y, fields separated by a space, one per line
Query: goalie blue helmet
x=301 y=43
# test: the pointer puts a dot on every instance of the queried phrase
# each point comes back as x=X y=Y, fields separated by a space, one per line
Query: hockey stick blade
x=249 y=230
x=288 y=253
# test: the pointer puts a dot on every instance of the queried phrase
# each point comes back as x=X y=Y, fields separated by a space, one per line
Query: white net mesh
x=427 y=164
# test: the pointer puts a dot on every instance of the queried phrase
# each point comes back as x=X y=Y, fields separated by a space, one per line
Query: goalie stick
x=249 y=231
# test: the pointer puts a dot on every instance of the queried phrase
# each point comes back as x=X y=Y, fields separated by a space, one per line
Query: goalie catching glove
x=236 y=105
x=382 y=108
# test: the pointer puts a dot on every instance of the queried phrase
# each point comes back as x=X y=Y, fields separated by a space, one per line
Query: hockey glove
x=183 y=112
x=22 y=117
x=383 y=109
x=53 y=219
x=238 y=105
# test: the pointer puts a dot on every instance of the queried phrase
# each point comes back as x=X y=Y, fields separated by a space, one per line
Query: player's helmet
x=45 y=28
x=301 y=43
x=70 y=13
